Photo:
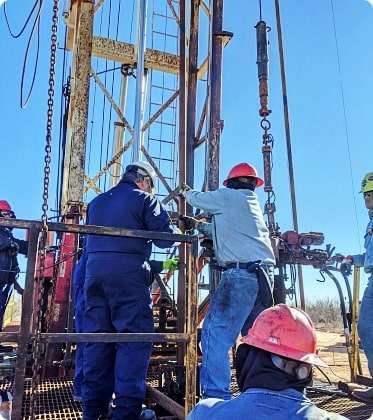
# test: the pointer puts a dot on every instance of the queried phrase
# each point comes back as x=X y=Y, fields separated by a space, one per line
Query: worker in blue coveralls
x=117 y=295
x=10 y=247
x=79 y=305
x=365 y=318
x=273 y=368
x=243 y=251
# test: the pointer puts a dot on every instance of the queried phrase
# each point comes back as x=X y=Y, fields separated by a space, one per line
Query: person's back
x=125 y=206
x=262 y=404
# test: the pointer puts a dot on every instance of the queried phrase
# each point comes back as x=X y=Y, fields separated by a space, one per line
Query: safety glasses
x=368 y=194
x=9 y=213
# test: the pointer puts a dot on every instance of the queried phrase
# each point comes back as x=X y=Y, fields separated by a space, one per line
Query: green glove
x=171 y=264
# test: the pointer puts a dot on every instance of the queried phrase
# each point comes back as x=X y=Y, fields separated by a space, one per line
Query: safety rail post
x=192 y=324
x=23 y=336
x=354 y=318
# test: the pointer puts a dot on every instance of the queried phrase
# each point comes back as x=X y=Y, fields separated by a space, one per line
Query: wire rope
x=345 y=119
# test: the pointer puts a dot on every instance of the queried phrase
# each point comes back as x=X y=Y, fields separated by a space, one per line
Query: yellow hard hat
x=367 y=183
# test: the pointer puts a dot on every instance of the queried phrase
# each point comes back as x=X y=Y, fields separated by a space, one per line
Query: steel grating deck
x=55 y=401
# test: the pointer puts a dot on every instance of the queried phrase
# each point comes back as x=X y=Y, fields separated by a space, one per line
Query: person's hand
x=345 y=267
x=183 y=190
x=14 y=248
x=171 y=264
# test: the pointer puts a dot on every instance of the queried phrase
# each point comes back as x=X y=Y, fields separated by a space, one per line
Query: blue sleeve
x=5 y=239
x=157 y=220
x=210 y=201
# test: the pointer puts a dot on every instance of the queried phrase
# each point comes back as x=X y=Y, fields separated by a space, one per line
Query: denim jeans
x=365 y=323
x=230 y=305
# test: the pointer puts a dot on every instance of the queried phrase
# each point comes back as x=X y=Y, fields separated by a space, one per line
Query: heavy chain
x=37 y=345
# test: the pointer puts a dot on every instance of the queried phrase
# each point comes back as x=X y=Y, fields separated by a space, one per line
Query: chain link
x=37 y=345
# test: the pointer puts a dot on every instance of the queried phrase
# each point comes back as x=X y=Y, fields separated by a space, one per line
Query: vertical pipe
x=181 y=298
x=192 y=324
x=354 y=318
x=288 y=146
x=192 y=91
x=140 y=78
x=215 y=85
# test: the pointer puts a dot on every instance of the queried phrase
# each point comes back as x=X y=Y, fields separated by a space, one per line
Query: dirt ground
x=332 y=349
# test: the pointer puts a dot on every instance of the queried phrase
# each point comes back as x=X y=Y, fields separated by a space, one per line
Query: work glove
x=14 y=248
x=345 y=267
x=171 y=264
x=183 y=190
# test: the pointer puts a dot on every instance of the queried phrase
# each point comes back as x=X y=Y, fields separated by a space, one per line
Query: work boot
x=364 y=394
x=147 y=414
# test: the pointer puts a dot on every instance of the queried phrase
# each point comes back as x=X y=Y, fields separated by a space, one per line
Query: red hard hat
x=244 y=170
x=285 y=331
x=4 y=205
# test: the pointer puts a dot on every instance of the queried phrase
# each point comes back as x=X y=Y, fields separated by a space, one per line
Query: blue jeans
x=230 y=305
x=365 y=323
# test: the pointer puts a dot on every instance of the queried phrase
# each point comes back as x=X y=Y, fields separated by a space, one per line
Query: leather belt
x=242 y=265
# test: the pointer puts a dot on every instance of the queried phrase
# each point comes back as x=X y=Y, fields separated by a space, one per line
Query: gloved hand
x=345 y=267
x=14 y=248
x=171 y=264
x=183 y=190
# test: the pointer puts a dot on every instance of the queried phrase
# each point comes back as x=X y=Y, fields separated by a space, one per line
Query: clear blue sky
x=330 y=98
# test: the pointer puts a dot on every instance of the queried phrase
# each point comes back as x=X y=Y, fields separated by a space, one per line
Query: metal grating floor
x=55 y=401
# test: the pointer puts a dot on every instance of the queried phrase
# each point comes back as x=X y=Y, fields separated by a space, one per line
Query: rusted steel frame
x=215 y=85
x=173 y=11
x=91 y=182
x=202 y=120
x=58 y=309
x=22 y=337
x=192 y=91
x=191 y=328
x=112 y=102
x=160 y=110
x=80 y=100
x=164 y=401
x=182 y=283
x=98 y=230
x=114 y=337
x=157 y=171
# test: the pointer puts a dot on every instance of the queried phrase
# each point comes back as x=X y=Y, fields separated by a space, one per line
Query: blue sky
x=328 y=53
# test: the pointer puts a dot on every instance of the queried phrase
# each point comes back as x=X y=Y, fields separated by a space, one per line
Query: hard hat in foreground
x=287 y=332
x=143 y=168
x=367 y=183
x=4 y=205
x=243 y=170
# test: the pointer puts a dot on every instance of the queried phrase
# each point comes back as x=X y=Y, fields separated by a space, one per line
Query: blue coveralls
x=8 y=266
x=117 y=296
x=79 y=304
